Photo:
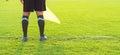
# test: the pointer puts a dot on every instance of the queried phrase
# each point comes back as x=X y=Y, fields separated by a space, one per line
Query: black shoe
x=43 y=38
x=24 y=39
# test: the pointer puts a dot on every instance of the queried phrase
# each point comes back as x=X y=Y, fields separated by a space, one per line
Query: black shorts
x=31 y=5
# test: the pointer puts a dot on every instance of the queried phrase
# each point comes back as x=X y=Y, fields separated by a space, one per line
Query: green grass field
x=88 y=27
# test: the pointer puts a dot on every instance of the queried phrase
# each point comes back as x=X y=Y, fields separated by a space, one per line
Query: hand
x=22 y=1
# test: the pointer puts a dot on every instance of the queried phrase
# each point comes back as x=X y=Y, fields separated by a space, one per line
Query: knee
x=39 y=13
x=26 y=13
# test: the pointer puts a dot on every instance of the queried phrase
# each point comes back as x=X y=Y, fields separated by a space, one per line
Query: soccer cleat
x=24 y=39
x=43 y=38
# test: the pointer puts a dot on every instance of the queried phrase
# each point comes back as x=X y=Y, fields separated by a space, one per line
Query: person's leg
x=41 y=24
x=25 y=24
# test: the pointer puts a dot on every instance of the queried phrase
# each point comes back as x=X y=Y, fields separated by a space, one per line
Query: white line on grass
x=49 y=15
x=98 y=37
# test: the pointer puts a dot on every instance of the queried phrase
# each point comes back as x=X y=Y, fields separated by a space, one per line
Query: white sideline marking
x=49 y=15
x=98 y=37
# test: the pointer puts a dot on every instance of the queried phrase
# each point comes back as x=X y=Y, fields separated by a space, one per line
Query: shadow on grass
x=20 y=49
x=45 y=48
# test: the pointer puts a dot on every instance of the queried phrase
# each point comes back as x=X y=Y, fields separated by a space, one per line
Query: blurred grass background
x=79 y=18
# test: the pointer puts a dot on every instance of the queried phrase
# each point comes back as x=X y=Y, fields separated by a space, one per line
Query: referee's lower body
x=29 y=6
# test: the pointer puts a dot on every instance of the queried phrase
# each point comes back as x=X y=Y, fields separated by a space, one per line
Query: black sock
x=24 y=25
x=41 y=24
